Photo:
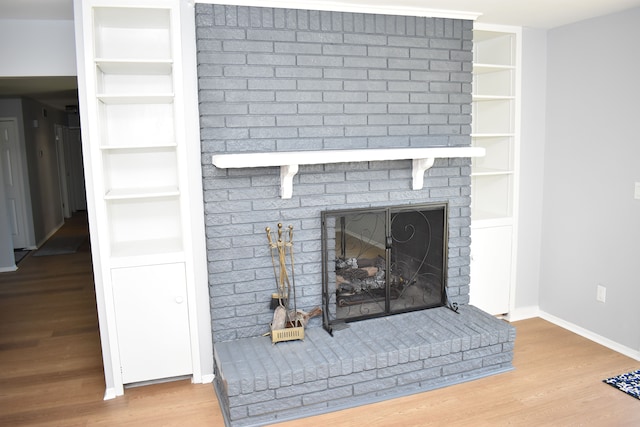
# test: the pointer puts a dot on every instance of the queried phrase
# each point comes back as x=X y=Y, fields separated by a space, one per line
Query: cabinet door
x=491 y=269
x=152 y=322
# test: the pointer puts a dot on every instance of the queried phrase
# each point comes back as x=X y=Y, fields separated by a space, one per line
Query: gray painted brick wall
x=278 y=79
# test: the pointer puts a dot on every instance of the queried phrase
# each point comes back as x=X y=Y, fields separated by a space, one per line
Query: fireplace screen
x=382 y=261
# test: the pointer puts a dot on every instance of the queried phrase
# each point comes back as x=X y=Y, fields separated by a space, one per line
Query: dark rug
x=629 y=383
x=60 y=245
x=19 y=255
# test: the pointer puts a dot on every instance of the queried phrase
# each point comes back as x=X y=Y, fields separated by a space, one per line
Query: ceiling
x=543 y=14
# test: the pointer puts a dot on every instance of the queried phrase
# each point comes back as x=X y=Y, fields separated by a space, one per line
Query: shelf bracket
x=417 y=172
x=287 y=172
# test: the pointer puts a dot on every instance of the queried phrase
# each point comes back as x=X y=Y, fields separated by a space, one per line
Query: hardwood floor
x=51 y=370
x=50 y=358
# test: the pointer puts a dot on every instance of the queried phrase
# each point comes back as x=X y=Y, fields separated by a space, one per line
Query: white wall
x=591 y=222
x=37 y=48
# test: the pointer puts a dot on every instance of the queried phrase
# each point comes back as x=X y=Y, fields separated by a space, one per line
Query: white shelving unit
x=141 y=196
x=136 y=106
x=496 y=80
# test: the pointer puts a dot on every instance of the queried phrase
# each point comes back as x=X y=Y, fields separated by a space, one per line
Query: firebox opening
x=383 y=261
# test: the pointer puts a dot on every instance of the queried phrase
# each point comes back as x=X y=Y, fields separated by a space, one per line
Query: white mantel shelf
x=289 y=161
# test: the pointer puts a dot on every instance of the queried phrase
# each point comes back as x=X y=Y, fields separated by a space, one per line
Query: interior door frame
x=63 y=173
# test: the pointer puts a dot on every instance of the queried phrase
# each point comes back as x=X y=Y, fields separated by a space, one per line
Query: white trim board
x=523 y=313
x=353 y=7
x=110 y=393
x=207 y=378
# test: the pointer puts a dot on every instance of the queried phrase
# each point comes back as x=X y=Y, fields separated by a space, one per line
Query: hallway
x=50 y=358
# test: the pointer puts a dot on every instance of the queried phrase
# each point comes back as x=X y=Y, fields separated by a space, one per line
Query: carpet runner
x=61 y=245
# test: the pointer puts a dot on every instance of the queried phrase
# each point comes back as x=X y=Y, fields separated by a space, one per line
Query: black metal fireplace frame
x=328 y=287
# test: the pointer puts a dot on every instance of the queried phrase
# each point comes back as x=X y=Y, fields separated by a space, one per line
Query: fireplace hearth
x=383 y=261
x=365 y=362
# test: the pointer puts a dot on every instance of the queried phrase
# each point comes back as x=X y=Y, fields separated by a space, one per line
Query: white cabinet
x=144 y=201
x=495 y=127
x=152 y=322
x=491 y=269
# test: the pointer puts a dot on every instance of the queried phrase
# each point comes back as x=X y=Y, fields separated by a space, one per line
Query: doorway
x=15 y=187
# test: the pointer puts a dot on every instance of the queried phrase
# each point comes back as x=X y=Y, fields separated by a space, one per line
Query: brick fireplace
x=277 y=80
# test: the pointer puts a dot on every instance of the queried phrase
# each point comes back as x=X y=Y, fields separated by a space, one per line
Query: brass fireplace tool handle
x=279 y=248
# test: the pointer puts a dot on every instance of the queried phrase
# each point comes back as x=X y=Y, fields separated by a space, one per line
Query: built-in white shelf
x=147 y=237
x=150 y=145
x=289 y=161
x=142 y=193
x=134 y=66
x=491 y=135
x=491 y=68
x=491 y=172
x=494 y=177
x=136 y=99
x=492 y=98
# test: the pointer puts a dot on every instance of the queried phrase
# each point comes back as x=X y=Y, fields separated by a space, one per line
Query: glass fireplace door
x=381 y=261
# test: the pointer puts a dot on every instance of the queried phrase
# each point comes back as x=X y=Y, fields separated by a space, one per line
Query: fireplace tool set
x=287 y=324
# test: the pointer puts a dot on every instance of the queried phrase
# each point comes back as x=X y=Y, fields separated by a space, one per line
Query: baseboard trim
x=627 y=351
x=8 y=269
x=207 y=379
x=523 y=313
x=110 y=393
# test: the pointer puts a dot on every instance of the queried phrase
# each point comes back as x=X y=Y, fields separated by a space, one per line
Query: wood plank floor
x=51 y=370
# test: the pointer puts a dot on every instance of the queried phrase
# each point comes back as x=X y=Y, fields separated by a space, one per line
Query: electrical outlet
x=601 y=293
x=636 y=193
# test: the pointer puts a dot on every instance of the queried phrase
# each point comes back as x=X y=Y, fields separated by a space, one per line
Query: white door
x=152 y=322
x=490 y=286
x=14 y=186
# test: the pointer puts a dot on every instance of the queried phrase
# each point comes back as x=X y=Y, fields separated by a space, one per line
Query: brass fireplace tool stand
x=286 y=324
